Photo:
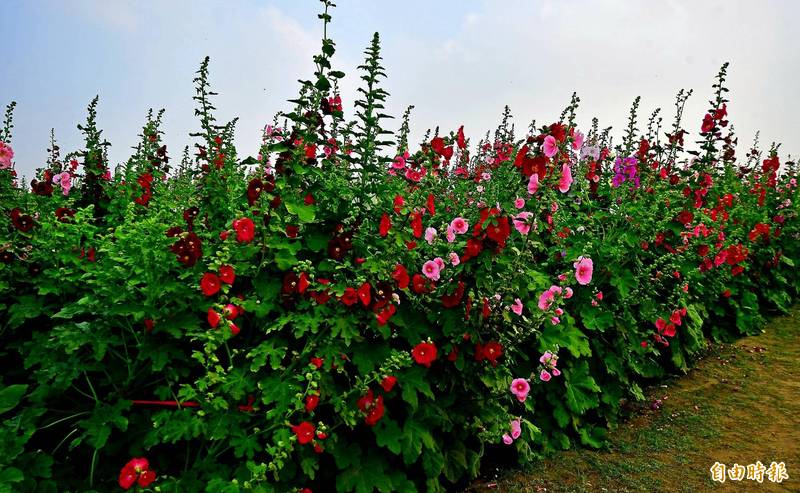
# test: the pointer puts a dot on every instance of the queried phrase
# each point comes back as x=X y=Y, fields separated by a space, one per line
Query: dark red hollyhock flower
x=364 y=293
x=454 y=299
x=708 y=124
x=210 y=284
x=174 y=231
x=453 y=354
x=420 y=284
x=416 y=224
x=685 y=217
x=721 y=113
x=559 y=131
x=22 y=222
x=447 y=153
x=485 y=311
x=400 y=275
x=148 y=325
x=226 y=274
x=336 y=248
x=399 y=202
x=383 y=292
x=460 y=140
x=311 y=402
x=189 y=215
x=136 y=471
x=245 y=230
x=430 y=205
x=424 y=354
x=64 y=214
x=289 y=285
x=188 y=249
x=304 y=432
x=349 y=297
x=385 y=314
x=474 y=247
x=308 y=199
x=388 y=383
x=254 y=189
x=213 y=318
x=500 y=231
x=385 y=226
x=302 y=283
x=7 y=257
x=410 y=245
x=44 y=188
x=437 y=145
x=702 y=250
x=291 y=231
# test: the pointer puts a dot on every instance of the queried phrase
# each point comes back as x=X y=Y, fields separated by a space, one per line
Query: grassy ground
x=741 y=404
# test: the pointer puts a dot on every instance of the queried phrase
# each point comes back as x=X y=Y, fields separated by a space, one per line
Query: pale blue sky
x=458 y=62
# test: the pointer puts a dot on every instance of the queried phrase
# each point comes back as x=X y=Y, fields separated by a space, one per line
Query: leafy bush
x=335 y=313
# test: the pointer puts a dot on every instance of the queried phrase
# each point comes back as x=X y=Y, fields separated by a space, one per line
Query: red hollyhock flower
x=385 y=314
x=245 y=230
x=385 y=226
x=226 y=274
x=210 y=284
x=416 y=224
x=388 y=383
x=437 y=145
x=304 y=432
x=430 y=204
x=349 y=297
x=708 y=123
x=500 y=231
x=291 y=231
x=398 y=203
x=318 y=362
x=235 y=329
x=311 y=402
x=400 y=275
x=302 y=283
x=460 y=140
x=559 y=131
x=213 y=318
x=424 y=354
x=364 y=293
x=490 y=352
x=371 y=407
x=308 y=199
x=421 y=285
x=149 y=324
x=453 y=299
x=136 y=471
x=231 y=311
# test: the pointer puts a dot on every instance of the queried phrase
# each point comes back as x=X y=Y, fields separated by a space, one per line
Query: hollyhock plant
x=6 y=155
x=584 y=267
x=431 y=269
x=520 y=388
x=459 y=225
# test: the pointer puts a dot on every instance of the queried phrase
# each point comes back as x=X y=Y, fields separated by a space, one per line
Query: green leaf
x=624 y=281
x=388 y=434
x=11 y=475
x=10 y=396
x=582 y=390
x=365 y=476
x=567 y=336
x=306 y=213
x=415 y=435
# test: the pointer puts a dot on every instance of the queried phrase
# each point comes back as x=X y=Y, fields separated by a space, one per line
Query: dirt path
x=741 y=404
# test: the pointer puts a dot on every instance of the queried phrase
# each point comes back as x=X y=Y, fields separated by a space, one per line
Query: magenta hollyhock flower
x=521 y=222
x=431 y=270
x=520 y=388
x=583 y=270
x=517 y=306
x=519 y=203
x=533 y=184
x=550 y=146
x=516 y=428
x=544 y=376
x=459 y=225
x=430 y=235
x=507 y=439
x=566 y=179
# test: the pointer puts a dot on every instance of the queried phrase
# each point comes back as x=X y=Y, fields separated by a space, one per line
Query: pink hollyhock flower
x=544 y=376
x=430 y=235
x=516 y=429
x=439 y=262
x=400 y=161
x=583 y=270
x=599 y=295
x=454 y=259
x=533 y=184
x=520 y=388
x=555 y=320
x=6 y=155
x=451 y=235
x=545 y=357
x=554 y=206
x=577 y=140
x=65 y=180
x=562 y=277
x=595 y=303
x=566 y=179
x=431 y=270
x=517 y=306
x=507 y=439
x=559 y=312
x=550 y=146
x=568 y=293
x=519 y=203
x=459 y=225
x=556 y=372
x=521 y=223
x=546 y=300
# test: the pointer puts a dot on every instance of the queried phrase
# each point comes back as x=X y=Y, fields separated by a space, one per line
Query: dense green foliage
x=281 y=322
